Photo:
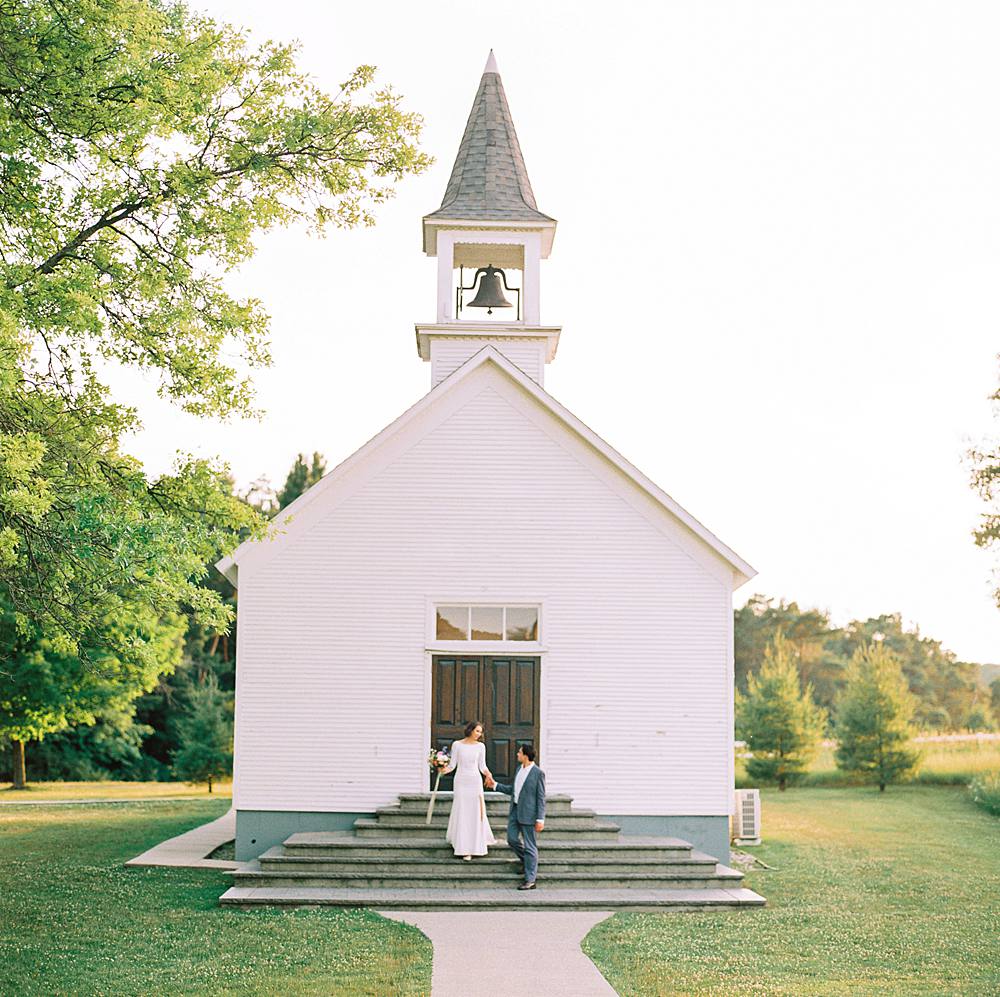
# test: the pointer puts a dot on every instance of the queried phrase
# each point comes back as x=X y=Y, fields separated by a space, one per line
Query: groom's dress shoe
x=527 y=886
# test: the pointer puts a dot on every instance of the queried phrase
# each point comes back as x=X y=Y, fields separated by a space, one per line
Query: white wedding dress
x=469 y=830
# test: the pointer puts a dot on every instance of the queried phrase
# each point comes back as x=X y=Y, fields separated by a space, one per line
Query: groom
x=527 y=811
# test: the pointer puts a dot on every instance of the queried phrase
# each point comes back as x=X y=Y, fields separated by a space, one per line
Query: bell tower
x=489 y=239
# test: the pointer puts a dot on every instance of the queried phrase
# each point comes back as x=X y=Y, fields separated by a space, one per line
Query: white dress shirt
x=522 y=774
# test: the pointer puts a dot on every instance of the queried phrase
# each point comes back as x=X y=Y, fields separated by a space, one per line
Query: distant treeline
x=950 y=694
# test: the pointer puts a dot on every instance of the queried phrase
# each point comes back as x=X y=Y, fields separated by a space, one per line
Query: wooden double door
x=502 y=691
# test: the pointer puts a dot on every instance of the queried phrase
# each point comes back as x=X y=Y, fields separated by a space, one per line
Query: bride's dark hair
x=472 y=725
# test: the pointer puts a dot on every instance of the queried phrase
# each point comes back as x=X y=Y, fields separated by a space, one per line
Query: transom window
x=487 y=623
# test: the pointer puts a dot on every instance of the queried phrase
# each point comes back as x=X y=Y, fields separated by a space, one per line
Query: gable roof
x=489 y=181
x=490 y=355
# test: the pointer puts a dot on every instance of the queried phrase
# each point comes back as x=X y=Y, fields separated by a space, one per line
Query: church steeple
x=489 y=180
x=488 y=229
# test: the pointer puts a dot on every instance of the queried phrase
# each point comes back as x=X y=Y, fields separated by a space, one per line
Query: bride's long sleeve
x=454 y=759
x=482 y=759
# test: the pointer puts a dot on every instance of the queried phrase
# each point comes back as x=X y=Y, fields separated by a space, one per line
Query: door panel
x=457 y=696
x=503 y=692
x=498 y=705
x=444 y=690
x=469 y=693
x=524 y=692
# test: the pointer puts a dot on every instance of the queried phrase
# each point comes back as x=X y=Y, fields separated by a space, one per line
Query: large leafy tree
x=873 y=719
x=778 y=718
x=47 y=687
x=142 y=148
x=985 y=463
x=143 y=743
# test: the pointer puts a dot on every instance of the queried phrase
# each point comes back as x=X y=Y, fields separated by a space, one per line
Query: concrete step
x=628 y=848
x=276 y=860
x=442 y=806
x=585 y=830
x=394 y=817
x=482 y=879
x=512 y=899
x=416 y=803
x=446 y=866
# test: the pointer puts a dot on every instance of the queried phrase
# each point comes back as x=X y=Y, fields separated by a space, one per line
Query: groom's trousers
x=527 y=852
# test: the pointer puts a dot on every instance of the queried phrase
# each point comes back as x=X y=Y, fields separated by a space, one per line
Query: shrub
x=985 y=792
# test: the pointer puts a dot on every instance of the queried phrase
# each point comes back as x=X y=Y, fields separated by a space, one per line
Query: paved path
x=509 y=953
x=188 y=850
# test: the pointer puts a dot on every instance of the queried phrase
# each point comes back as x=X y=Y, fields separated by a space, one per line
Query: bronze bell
x=490 y=294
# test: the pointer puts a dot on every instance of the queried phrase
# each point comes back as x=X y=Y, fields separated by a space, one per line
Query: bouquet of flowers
x=438 y=760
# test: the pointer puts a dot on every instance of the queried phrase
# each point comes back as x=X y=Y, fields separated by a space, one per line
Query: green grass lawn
x=111 y=791
x=73 y=920
x=871 y=894
x=893 y=893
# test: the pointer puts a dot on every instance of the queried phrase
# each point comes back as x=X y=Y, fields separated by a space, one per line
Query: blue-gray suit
x=530 y=807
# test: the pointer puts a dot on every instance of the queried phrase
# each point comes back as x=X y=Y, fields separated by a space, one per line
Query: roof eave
x=230 y=569
x=432 y=225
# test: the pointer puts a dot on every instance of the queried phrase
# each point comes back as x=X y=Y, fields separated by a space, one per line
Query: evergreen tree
x=780 y=722
x=301 y=478
x=873 y=719
x=205 y=733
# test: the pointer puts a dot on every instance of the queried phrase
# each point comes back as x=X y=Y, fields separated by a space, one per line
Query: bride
x=469 y=829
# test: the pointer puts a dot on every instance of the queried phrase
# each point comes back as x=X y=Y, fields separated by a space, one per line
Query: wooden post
x=430 y=806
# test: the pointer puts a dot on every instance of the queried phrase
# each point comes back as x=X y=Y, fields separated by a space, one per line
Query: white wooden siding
x=486 y=495
x=449 y=353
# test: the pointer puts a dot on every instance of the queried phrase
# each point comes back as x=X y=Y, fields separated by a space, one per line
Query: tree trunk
x=210 y=785
x=18 y=779
x=781 y=783
x=881 y=787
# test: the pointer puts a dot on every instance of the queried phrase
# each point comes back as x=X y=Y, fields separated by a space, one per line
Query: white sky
x=779 y=230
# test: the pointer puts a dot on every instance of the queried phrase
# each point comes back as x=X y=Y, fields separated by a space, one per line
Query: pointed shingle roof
x=489 y=181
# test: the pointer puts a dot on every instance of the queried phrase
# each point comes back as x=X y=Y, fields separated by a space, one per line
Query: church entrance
x=502 y=691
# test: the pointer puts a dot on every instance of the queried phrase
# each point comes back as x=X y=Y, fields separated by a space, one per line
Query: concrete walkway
x=188 y=850
x=509 y=953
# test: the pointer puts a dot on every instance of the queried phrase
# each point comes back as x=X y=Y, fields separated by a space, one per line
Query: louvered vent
x=746 y=818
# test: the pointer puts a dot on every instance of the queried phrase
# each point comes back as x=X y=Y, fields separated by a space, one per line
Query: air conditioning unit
x=746 y=817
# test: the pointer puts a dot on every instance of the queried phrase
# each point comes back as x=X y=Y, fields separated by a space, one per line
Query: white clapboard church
x=486 y=556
